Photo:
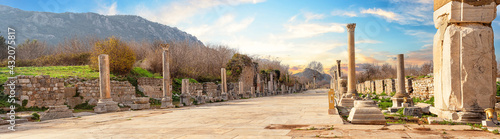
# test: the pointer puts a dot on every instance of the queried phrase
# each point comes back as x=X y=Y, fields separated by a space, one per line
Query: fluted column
x=351 y=76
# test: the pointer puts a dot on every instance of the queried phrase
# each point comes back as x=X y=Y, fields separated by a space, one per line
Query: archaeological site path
x=244 y=118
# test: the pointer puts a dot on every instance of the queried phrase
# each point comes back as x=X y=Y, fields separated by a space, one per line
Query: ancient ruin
x=464 y=59
x=401 y=98
x=166 y=101
x=105 y=103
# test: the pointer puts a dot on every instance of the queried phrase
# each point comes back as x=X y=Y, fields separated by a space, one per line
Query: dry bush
x=76 y=45
x=31 y=49
x=121 y=57
x=188 y=60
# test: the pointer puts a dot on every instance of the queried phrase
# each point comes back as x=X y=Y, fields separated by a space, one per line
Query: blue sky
x=294 y=31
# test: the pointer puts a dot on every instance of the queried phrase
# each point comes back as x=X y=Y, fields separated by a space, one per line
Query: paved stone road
x=246 y=118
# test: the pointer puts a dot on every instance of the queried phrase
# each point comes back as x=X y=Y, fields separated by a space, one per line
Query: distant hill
x=309 y=73
x=55 y=27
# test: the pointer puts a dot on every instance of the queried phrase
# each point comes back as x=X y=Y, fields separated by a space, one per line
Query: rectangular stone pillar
x=105 y=103
x=241 y=92
x=224 y=96
x=166 y=101
x=185 y=94
x=252 y=92
x=464 y=59
x=339 y=75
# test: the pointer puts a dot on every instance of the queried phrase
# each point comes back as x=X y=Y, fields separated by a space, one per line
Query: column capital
x=351 y=26
x=338 y=62
x=165 y=46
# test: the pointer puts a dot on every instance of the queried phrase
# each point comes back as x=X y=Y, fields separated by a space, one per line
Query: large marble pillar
x=105 y=103
x=464 y=59
x=166 y=101
x=351 y=67
x=399 y=98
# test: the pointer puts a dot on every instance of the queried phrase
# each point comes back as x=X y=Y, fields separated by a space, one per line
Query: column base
x=185 y=99
x=347 y=102
x=399 y=102
x=366 y=112
x=106 y=105
x=333 y=112
x=166 y=102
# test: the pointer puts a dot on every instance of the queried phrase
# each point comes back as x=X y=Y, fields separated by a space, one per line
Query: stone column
x=104 y=80
x=105 y=103
x=351 y=78
x=223 y=86
x=271 y=84
x=398 y=98
x=185 y=94
x=259 y=84
x=339 y=75
x=464 y=59
x=241 y=92
x=166 y=101
x=252 y=92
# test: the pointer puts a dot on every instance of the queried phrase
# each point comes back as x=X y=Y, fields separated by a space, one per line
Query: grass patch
x=84 y=106
x=53 y=71
x=82 y=110
x=418 y=100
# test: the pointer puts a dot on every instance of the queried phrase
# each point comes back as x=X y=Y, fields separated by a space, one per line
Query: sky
x=293 y=31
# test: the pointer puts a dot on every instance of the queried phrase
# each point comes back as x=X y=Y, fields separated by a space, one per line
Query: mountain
x=55 y=27
x=309 y=73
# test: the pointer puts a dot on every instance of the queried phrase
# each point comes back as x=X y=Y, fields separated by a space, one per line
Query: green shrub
x=385 y=105
x=153 y=101
x=393 y=93
x=36 y=116
x=84 y=106
x=25 y=102
x=401 y=111
x=383 y=94
x=121 y=56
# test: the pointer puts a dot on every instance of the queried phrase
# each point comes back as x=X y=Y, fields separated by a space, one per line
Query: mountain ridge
x=55 y=27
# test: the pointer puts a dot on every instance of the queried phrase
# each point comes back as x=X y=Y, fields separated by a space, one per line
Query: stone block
x=470 y=83
x=424 y=107
x=106 y=105
x=56 y=112
x=366 y=112
x=458 y=12
x=139 y=106
x=412 y=111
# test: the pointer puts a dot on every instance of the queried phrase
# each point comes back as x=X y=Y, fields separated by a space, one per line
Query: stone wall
x=379 y=86
x=44 y=91
x=421 y=88
x=151 y=87
x=121 y=91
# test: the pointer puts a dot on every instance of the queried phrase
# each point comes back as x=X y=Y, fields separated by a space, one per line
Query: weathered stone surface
x=366 y=112
x=412 y=111
x=56 y=112
x=424 y=107
x=379 y=87
x=139 y=106
x=106 y=105
x=470 y=83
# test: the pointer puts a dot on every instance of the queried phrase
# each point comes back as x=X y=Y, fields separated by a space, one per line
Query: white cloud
x=344 y=13
x=306 y=30
x=107 y=10
x=311 y=16
x=180 y=11
x=421 y=35
x=390 y=16
x=224 y=25
x=368 y=41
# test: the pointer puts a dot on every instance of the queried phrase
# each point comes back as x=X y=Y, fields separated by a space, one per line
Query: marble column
x=398 y=98
x=105 y=103
x=166 y=101
x=351 y=78
x=339 y=76
x=223 y=84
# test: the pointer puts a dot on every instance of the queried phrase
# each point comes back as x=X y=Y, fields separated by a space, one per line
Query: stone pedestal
x=56 y=112
x=106 y=105
x=140 y=103
x=347 y=102
x=464 y=59
x=366 y=112
x=331 y=102
x=166 y=102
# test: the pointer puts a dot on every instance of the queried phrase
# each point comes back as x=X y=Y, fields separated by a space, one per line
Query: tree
x=315 y=65
x=121 y=56
x=3 y=48
x=31 y=49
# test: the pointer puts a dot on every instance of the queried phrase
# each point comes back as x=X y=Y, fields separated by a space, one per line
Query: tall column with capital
x=351 y=76
x=166 y=101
